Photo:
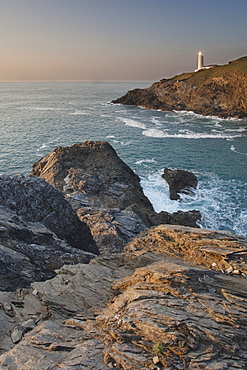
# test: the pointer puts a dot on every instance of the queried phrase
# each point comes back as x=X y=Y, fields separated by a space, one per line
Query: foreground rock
x=39 y=232
x=31 y=252
x=176 y=297
x=220 y=91
x=179 y=181
x=37 y=201
x=91 y=174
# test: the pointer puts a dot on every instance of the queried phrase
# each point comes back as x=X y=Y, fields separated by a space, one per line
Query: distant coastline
x=220 y=91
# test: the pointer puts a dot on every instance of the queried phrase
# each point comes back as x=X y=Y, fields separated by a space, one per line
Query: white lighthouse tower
x=200 y=63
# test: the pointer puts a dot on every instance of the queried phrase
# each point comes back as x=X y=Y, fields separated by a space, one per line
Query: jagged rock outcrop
x=37 y=201
x=175 y=298
x=91 y=174
x=219 y=91
x=179 y=181
x=30 y=252
x=39 y=232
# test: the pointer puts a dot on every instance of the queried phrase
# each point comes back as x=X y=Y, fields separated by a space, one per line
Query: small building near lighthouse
x=200 y=63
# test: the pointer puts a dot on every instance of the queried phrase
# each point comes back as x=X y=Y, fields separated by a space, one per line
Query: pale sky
x=104 y=40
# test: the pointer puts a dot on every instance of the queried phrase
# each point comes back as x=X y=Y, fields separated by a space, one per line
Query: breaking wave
x=132 y=123
x=219 y=201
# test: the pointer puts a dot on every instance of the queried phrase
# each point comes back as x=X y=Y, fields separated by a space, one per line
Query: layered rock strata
x=175 y=299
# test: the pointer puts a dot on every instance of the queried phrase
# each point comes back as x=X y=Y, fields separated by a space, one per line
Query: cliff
x=220 y=91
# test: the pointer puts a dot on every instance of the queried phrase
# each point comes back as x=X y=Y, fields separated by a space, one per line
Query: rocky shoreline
x=220 y=91
x=91 y=277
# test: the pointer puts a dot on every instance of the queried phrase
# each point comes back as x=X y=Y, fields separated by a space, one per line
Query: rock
x=92 y=173
x=31 y=252
x=167 y=292
x=111 y=228
x=179 y=181
x=220 y=91
x=37 y=201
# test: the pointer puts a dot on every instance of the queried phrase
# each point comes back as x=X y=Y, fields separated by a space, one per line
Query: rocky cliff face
x=220 y=91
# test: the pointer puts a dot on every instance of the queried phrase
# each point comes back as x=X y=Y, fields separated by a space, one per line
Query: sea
x=37 y=117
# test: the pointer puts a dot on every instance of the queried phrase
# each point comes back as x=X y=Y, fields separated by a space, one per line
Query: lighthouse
x=200 y=61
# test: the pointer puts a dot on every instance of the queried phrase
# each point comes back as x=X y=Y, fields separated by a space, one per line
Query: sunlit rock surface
x=175 y=296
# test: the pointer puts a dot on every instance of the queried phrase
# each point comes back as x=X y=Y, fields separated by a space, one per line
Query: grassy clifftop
x=219 y=91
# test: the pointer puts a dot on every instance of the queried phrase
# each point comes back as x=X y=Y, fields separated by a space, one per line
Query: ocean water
x=35 y=118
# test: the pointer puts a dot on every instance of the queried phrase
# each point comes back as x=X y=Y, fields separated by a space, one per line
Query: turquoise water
x=35 y=118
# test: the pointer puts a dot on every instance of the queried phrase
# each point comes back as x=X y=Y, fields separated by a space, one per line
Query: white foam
x=79 y=113
x=132 y=122
x=155 y=121
x=145 y=161
x=213 y=198
x=154 y=132
x=157 y=191
x=43 y=108
x=187 y=134
x=49 y=144
x=240 y=129
x=233 y=149
x=196 y=115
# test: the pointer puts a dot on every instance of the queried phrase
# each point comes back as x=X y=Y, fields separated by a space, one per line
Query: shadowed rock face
x=179 y=181
x=37 y=201
x=176 y=293
x=30 y=252
x=220 y=91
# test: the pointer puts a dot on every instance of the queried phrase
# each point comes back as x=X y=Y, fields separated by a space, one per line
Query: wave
x=132 y=123
x=197 y=115
x=145 y=161
x=221 y=202
x=156 y=121
x=154 y=132
x=49 y=144
x=232 y=148
x=186 y=134
x=79 y=113
x=43 y=108
x=121 y=142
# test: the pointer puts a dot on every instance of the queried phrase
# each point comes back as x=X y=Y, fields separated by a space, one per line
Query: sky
x=117 y=40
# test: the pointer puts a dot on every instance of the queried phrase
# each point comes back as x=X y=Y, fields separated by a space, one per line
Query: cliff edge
x=220 y=91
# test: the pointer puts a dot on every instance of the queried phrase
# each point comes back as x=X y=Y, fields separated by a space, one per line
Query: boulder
x=30 y=252
x=179 y=181
x=92 y=173
x=37 y=201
